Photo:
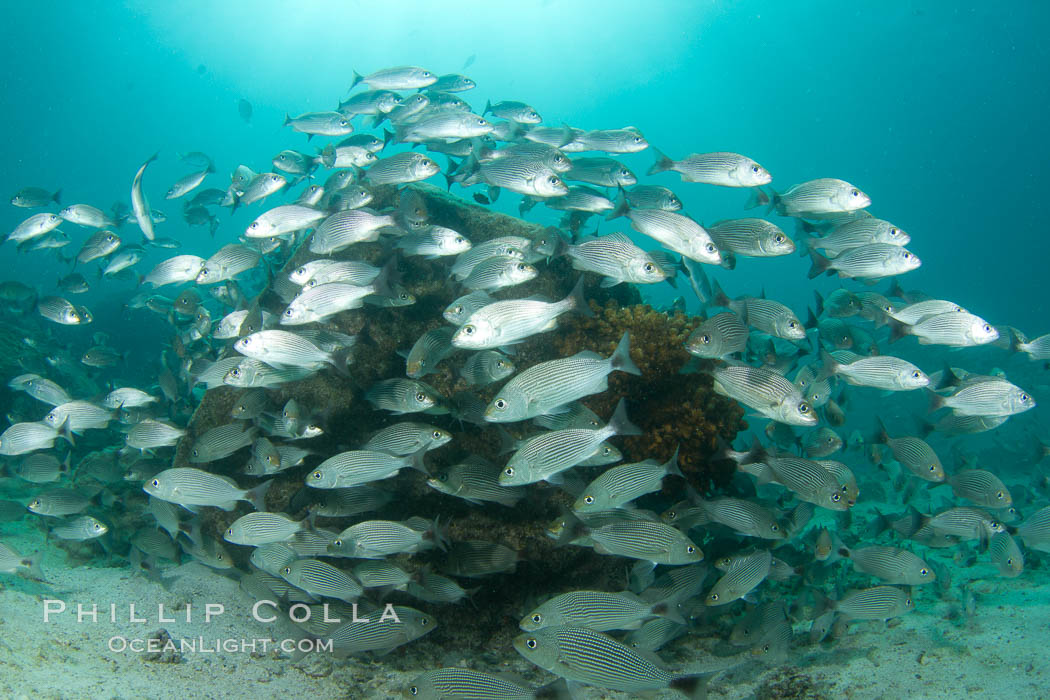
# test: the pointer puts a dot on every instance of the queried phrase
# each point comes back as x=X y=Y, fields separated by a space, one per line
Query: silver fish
x=221 y=441
x=820 y=197
x=620 y=485
x=722 y=334
x=403 y=396
x=285 y=349
x=150 y=434
x=485 y=367
x=550 y=386
x=261 y=528
x=319 y=124
x=765 y=391
x=604 y=172
x=139 y=203
x=881 y=372
x=890 y=564
x=856 y=234
x=98 y=245
x=396 y=78
x=85 y=527
x=725 y=169
x=597 y=610
x=175 y=270
x=345 y=228
x=675 y=231
x=475 y=480
x=31 y=197
x=585 y=656
x=407 y=437
x=617 y=258
x=86 y=215
x=518 y=112
x=985 y=398
x=508 y=322
x=401 y=168
x=358 y=467
x=282 y=220
x=187 y=486
x=546 y=455
x=872 y=261
x=954 y=329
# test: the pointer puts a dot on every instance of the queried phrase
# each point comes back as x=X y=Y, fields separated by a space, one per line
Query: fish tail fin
x=488 y=107
x=620 y=423
x=897 y=329
x=820 y=264
x=820 y=303
x=937 y=401
x=718 y=296
x=357 y=79
x=341 y=361
x=828 y=365
x=257 y=495
x=807 y=233
x=573 y=527
x=416 y=460
x=192 y=531
x=774 y=202
x=671 y=466
x=57 y=196
x=662 y=164
x=668 y=609
x=882 y=436
x=388 y=136
x=757 y=198
x=65 y=433
x=287 y=119
x=622 y=208
x=621 y=357
x=558 y=690
x=32 y=566
x=507 y=443
x=812 y=316
x=577 y=301
x=693 y=687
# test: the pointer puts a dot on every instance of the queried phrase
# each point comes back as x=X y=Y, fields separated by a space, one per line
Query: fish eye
x=229 y=531
x=779 y=238
x=552 y=180
x=414 y=690
x=803 y=408
x=624 y=172
x=537 y=618
x=530 y=643
x=317 y=474
x=916 y=374
x=275 y=178
x=705 y=339
x=792 y=324
x=459 y=239
x=500 y=404
x=196 y=453
x=468 y=330
x=97 y=526
x=987 y=328
x=436 y=434
x=756 y=169
x=637 y=139
x=286 y=570
x=588 y=500
x=337 y=542
x=933 y=467
x=481 y=122
x=522 y=267
x=907 y=256
x=894 y=232
x=924 y=572
x=420 y=396
x=854 y=193
x=649 y=267
x=254 y=225
x=690 y=549
x=774 y=527
x=999 y=495
x=501 y=364
x=713 y=597
x=835 y=498
x=235 y=372
x=1024 y=396
x=509 y=471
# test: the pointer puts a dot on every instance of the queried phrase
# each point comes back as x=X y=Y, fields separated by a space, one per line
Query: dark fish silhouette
x=244 y=107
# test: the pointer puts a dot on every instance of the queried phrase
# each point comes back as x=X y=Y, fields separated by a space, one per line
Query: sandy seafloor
x=1001 y=652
